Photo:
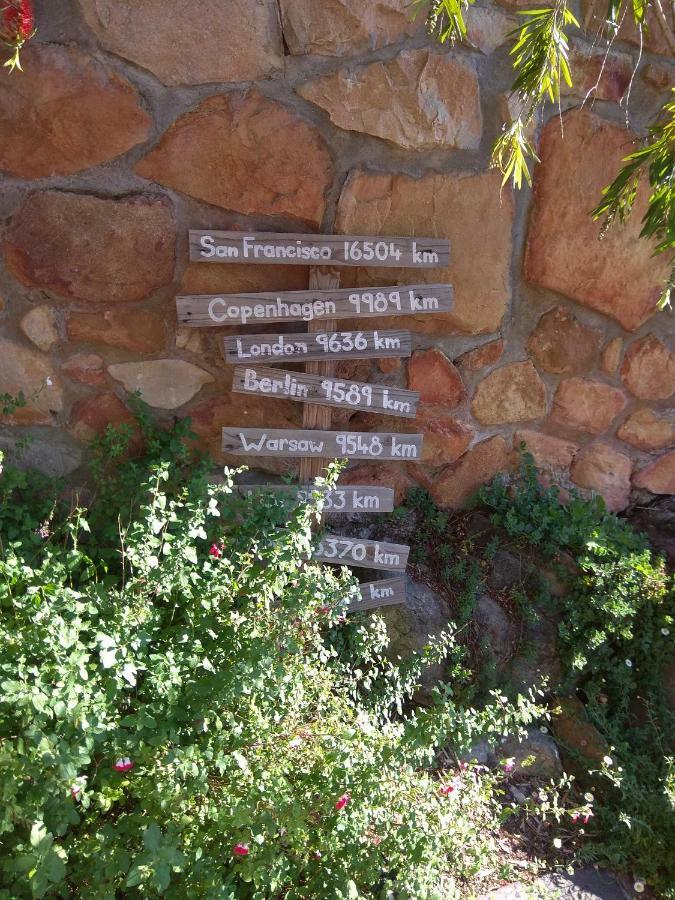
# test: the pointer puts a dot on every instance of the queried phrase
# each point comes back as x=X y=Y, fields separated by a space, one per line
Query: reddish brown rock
x=659 y=77
x=389 y=364
x=488 y=27
x=574 y=732
x=345 y=27
x=220 y=152
x=611 y=356
x=419 y=100
x=471 y=210
x=618 y=276
x=27 y=373
x=390 y=475
x=659 y=476
x=457 y=484
x=90 y=417
x=40 y=326
x=597 y=73
x=485 y=355
x=595 y=16
x=548 y=452
x=561 y=344
x=235 y=278
x=85 y=248
x=512 y=393
x=646 y=431
x=431 y=373
x=137 y=330
x=87 y=368
x=648 y=369
x=605 y=471
x=66 y=113
x=210 y=417
x=586 y=405
x=220 y=40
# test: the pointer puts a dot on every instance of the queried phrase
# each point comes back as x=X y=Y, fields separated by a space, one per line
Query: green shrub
x=179 y=626
x=615 y=639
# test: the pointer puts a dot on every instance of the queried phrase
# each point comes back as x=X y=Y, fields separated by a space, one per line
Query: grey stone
x=584 y=884
x=535 y=756
x=496 y=632
x=44 y=449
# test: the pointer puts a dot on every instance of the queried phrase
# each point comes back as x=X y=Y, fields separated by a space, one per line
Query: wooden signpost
x=278 y=348
x=317 y=388
x=201 y=311
x=327 y=391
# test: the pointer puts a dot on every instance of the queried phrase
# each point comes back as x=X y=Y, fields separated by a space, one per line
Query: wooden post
x=315 y=416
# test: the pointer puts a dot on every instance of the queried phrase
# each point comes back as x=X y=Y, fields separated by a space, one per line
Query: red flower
x=124 y=764
x=17 y=25
x=240 y=850
x=446 y=789
x=325 y=610
x=215 y=551
x=587 y=817
x=343 y=801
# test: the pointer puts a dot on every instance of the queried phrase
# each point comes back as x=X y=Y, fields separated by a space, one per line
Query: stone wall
x=135 y=119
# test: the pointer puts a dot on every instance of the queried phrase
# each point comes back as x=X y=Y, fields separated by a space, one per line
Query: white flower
x=543 y=729
x=48 y=381
x=665 y=632
x=629 y=663
x=608 y=761
x=639 y=886
x=557 y=843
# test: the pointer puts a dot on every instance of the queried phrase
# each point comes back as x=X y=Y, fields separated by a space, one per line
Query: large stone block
x=457 y=484
x=561 y=344
x=595 y=17
x=245 y=153
x=180 y=43
x=659 y=476
x=162 y=383
x=87 y=248
x=138 y=330
x=67 y=112
x=435 y=378
x=419 y=100
x=548 y=452
x=605 y=471
x=90 y=417
x=512 y=393
x=648 y=369
x=40 y=326
x=471 y=210
x=585 y=405
x=646 y=431
x=617 y=276
x=480 y=357
x=345 y=27
x=26 y=372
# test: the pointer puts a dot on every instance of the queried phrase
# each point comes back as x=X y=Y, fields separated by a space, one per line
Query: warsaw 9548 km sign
x=319 y=308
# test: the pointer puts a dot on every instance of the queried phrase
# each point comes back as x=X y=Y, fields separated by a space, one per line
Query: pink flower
x=343 y=801
x=75 y=791
x=325 y=610
x=588 y=817
x=240 y=850
x=509 y=765
x=215 y=551
x=446 y=789
x=124 y=764
x=575 y=817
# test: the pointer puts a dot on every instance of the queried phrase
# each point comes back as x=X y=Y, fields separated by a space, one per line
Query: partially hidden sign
x=375 y=594
x=326 y=391
x=321 y=444
x=204 y=310
x=346 y=551
x=277 y=348
x=341 y=499
x=318 y=249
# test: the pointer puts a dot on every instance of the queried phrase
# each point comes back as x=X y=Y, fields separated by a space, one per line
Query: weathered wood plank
x=279 y=348
x=339 y=392
x=318 y=249
x=321 y=444
x=346 y=551
x=343 y=498
x=212 y=310
x=375 y=594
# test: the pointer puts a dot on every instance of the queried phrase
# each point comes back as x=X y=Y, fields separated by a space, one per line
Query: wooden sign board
x=318 y=249
x=277 y=348
x=325 y=391
x=321 y=444
x=204 y=310
x=374 y=594
x=346 y=551
x=341 y=499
